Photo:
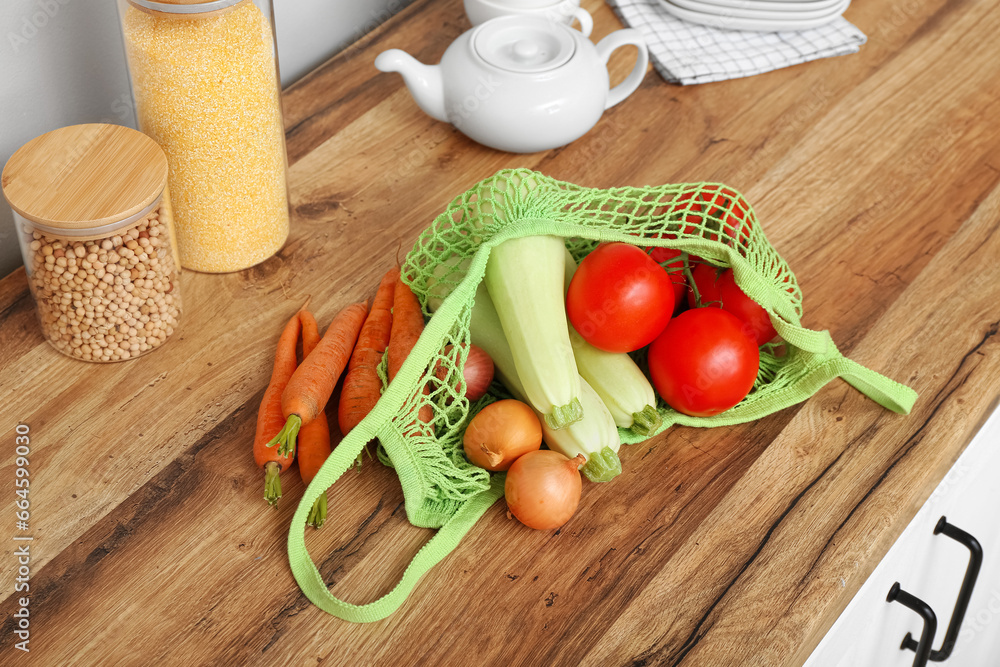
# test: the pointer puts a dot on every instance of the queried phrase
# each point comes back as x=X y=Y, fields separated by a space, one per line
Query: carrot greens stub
x=272 y=482
x=286 y=438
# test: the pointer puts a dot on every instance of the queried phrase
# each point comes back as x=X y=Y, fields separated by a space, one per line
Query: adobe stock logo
x=980 y=622
x=462 y=110
x=596 y=318
x=32 y=23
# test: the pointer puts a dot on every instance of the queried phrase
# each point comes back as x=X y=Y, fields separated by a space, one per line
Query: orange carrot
x=407 y=325
x=314 y=437
x=362 y=386
x=311 y=384
x=270 y=417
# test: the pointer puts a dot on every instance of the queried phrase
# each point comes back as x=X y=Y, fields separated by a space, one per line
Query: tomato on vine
x=717 y=288
x=704 y=276
x=673 y=262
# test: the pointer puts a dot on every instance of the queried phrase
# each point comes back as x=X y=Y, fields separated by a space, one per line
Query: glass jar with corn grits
x=206 y=89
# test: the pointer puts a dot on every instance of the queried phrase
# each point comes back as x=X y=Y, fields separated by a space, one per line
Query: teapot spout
x=424 y=81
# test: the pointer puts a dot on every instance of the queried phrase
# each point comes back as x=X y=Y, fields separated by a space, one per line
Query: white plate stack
x=760 y=15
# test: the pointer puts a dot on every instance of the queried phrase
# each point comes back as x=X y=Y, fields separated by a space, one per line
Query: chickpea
x=104 y=300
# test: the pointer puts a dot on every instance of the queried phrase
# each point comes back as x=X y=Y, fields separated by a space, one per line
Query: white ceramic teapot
x=520 y=83
x=561 y=11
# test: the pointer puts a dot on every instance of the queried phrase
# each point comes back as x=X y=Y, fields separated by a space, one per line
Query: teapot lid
x=524 y=44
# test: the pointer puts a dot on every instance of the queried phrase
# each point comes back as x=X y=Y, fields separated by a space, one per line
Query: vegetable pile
x=562 y=339
x=566 y=349
x=292 y=415
x=558 y=338
x=292 y=410
x=491 y=273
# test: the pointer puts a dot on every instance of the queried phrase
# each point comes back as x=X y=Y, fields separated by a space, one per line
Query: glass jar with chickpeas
x=94 y=224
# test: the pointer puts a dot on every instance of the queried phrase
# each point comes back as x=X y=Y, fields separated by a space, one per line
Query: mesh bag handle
x=441 y=488
x=310 y=579
x=453 y=517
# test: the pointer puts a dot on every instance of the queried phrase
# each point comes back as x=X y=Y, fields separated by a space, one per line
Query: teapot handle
x=613 y=41
x=585 y=19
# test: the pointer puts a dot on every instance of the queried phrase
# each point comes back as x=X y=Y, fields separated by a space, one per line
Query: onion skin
x=477 y=372
x=500 y=433
x=543 y=488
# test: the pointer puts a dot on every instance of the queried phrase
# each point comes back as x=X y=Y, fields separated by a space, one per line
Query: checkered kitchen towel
x=685 y=52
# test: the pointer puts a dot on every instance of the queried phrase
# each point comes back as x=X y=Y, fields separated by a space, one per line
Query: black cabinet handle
x=964 y=593
x=896 y=594
x=923 y=648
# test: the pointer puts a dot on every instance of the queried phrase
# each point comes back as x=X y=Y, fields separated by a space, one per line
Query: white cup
x=562 y=11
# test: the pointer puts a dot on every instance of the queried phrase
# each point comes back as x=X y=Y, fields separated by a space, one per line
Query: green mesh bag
x=441 y=488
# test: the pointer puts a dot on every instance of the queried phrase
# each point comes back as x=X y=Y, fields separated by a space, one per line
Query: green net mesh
x=709 y=220
x=441 y=488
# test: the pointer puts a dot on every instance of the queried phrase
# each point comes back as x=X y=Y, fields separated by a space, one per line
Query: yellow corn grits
x=206 y=90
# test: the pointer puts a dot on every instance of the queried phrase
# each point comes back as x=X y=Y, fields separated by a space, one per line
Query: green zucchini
x=524 y=278
x=594 y=435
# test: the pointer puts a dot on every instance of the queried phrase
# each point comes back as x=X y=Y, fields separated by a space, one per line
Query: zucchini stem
x=564 y=415
x=602 y=466
x=647 y=421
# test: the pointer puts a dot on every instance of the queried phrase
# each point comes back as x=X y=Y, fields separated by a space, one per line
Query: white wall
x=310 y=31
x=62 y=63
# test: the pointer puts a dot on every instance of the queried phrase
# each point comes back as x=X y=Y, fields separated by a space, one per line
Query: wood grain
x=874 y=175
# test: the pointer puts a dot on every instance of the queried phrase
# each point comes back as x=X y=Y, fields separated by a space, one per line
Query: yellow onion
x=500 y=433
x=543 y=488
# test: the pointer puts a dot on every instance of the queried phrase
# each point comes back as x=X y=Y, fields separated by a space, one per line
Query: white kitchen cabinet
x=932 y=567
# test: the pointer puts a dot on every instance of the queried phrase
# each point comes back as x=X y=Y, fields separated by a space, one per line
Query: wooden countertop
x=876 y=177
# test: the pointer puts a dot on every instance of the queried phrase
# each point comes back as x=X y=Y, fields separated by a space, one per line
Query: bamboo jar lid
x=84 y=176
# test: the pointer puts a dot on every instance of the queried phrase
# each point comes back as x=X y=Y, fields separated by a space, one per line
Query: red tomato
x=704 y=362
x=675 y=269
x=719 y=290
x=706 y=280
x=665 y=255
x=739 y=304
x=619 y=299
x=718 y=206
